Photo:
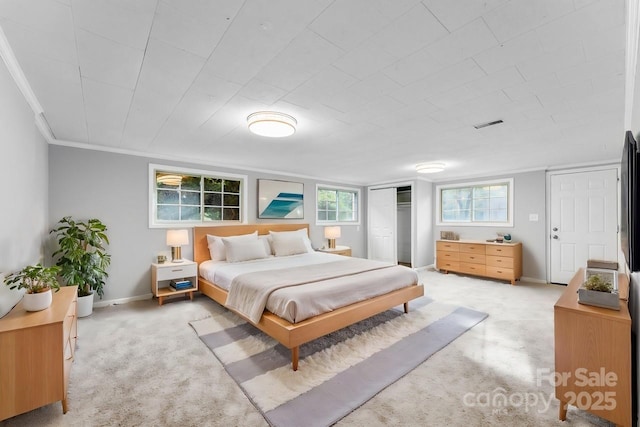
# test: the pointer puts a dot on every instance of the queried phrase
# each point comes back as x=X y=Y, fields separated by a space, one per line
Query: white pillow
x=292 y=234
x=217 y=251
x=244 y=250
x=267 y=240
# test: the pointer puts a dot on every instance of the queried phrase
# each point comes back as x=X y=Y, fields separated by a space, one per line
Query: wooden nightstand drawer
x=177 y=271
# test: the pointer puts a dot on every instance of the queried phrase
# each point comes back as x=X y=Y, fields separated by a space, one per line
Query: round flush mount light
x=271 y=124
x=429 y=167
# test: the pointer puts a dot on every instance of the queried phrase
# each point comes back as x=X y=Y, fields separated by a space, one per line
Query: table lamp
x=176 y=239
x=332 y=233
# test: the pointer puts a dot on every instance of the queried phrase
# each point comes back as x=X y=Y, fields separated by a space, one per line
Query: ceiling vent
x=484 y=125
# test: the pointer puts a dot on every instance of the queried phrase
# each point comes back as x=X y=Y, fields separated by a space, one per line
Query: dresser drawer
x=499 y=261
x=478 y=269
x=447 y=246
x=174 y=271
x=500 y=273
x=443 y=264
x=472 y=248
x=498 y=250
x=451 y=256
x=472 y=258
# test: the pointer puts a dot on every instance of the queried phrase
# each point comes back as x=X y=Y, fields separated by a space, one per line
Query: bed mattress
x=321 y=294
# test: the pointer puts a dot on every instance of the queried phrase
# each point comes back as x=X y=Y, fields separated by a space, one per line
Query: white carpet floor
x=139 y=364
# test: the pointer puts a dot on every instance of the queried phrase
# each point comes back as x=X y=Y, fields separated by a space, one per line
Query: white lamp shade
x=332 y=232
x=177 y=237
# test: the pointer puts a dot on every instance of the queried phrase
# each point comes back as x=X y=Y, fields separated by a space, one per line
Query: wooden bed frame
x=292 y=335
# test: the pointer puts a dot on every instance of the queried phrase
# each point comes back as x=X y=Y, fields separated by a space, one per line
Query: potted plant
x=38 y=281
x=598 y=289
x=82 y=258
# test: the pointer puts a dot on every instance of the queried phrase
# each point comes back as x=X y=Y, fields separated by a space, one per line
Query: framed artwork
x=280 y=199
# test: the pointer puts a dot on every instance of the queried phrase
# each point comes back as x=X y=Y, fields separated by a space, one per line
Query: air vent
x=484 y=125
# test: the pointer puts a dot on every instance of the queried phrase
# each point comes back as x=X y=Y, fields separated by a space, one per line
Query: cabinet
x=338 y=250
x=36 y=353
x=163 y=274
x=496 y=260
x=593 y=355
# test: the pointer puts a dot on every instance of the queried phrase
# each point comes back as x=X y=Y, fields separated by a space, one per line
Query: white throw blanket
x=249 y=292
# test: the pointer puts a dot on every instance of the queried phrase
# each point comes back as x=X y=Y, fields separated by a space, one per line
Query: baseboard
x=107 y=303
x=532 y=280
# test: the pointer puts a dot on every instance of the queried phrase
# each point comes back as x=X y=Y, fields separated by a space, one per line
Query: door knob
x=555 y=236
x=555 y=228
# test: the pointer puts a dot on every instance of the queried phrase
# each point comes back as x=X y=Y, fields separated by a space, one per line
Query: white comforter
x=277 y=284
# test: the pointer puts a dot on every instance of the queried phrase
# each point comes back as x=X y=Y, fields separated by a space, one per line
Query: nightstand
x=163 y=274
x=338 y=250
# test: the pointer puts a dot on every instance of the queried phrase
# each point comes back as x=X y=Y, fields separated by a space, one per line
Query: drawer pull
x=176 y=269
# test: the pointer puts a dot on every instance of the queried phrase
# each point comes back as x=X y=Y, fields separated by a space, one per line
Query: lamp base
x=332 y=243
x=176 y=254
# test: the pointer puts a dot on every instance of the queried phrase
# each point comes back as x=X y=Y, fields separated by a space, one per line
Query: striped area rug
x=338 y=372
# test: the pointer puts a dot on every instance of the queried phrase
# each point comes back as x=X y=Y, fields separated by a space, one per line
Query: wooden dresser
x=593 y=355
x=495 y=260
x=36 y=352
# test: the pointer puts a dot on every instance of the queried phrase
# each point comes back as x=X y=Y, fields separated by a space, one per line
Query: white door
x=583 y=221
x=382 y=225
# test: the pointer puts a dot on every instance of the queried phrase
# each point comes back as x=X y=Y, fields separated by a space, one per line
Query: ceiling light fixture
x=429 y=167
x=271 y=124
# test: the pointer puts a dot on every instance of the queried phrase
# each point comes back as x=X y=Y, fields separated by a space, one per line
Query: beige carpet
x=140 y=364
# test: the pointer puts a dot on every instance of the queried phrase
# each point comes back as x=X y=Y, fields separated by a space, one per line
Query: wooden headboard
x=201 y=248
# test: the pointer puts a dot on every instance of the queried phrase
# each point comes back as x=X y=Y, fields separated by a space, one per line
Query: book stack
x=180 y=285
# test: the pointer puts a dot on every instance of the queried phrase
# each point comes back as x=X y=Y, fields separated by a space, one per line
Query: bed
x=292 y=334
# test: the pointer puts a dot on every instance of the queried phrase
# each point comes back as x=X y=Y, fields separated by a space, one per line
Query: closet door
x=382 y=225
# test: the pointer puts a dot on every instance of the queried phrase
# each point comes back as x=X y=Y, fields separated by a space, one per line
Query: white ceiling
x=376 y=86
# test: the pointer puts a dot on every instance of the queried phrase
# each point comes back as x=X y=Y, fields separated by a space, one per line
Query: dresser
x=36 y=353
x=593 y=355
x=495 y=260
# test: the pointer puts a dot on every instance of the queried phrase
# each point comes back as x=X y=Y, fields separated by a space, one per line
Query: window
x=337 y=205
x=488 y=203
x=189 y=196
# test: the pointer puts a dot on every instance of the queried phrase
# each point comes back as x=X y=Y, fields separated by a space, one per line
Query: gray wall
x=23 y=172
x=114 y=188
x=529 y=198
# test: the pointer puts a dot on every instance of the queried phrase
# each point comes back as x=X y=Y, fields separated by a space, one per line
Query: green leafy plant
x=35 y=279
x=597 y=283
x=81 y=254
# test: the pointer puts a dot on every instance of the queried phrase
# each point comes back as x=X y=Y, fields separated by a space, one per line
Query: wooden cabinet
x=338 y=250
x=593 y=355
x=36 y=353
x=163 y=274
x=496 y=260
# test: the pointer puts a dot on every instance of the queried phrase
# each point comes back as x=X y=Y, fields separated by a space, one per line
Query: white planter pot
x=85 y=306
x=37 y=302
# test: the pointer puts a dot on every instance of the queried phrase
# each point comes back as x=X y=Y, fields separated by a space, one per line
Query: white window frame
x=153 y=223
x=510 y=203
x=338 y=188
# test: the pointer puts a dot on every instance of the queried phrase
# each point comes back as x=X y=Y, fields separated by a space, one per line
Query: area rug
x=338 y=372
